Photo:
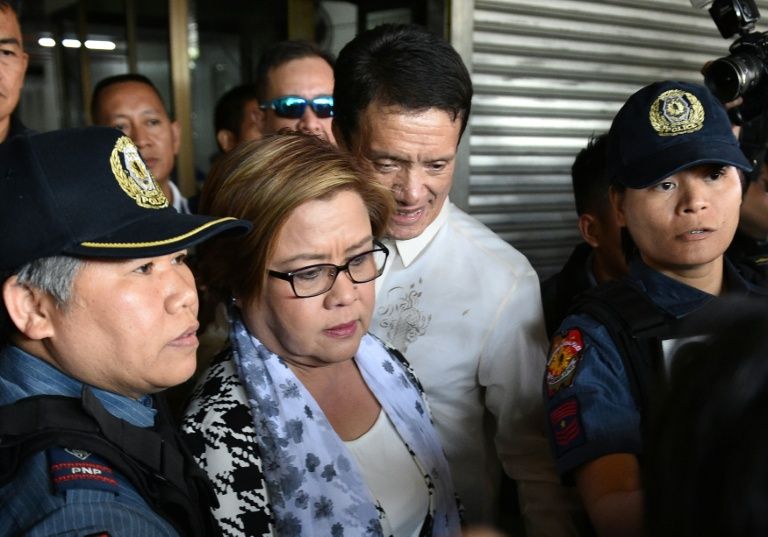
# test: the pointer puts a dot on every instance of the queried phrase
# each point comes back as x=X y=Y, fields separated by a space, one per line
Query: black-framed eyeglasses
x=315 y=280
x=293 y=106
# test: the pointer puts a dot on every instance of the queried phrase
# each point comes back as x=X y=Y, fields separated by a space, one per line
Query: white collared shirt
x=179 y=202
x=409 y=249
x=464 y=308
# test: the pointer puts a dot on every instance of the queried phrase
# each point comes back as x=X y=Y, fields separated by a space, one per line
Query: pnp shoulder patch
x=72 y=469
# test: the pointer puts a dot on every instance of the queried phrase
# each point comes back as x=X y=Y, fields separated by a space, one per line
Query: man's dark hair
x=590 y=182
x=402 y=65
x=229 y=108
x=281 y=53
x=104 y=83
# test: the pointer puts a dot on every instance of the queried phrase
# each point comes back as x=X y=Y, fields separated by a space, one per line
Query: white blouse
x=392 y=476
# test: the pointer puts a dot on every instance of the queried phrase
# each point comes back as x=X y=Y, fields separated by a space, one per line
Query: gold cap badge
x=134 y=177
x=676 y=112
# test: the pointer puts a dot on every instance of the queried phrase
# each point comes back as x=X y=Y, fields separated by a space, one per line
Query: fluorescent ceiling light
x=95 y=44
x=92 y=44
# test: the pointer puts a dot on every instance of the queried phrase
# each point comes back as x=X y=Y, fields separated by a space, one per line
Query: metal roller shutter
x=547 y=75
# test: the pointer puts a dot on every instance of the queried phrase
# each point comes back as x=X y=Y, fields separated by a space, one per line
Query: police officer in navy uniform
x=99 y=312
x=674 y=166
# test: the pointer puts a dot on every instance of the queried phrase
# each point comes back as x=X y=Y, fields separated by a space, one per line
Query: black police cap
x=87 y=193
x=665 y=128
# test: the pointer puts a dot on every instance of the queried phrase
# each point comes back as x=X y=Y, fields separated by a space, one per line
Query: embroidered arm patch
x=72 y=469
x=565 y=420
x=564 y=356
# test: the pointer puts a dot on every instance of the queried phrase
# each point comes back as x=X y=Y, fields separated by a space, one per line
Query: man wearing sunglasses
x=460 y=303
x=294 y=82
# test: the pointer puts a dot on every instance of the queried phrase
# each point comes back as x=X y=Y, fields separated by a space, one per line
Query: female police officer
x=98 y=312
x=674 y=167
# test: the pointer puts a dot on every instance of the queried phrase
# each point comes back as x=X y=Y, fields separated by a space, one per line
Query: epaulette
x=72 y=469
x=152 y=460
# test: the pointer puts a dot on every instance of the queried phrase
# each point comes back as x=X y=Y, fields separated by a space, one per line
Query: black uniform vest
x=153 y=460
x=636 y=326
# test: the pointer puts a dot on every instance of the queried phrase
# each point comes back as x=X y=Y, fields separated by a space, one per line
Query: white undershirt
x=392 y=476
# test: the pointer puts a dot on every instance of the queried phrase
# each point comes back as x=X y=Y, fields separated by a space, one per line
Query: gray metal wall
x=547 y=75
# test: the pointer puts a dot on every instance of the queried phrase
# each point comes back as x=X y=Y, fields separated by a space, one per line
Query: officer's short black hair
x=402 y=65
x=228 y=113
x=282 y=53
x=590 y=182
x=104 y=83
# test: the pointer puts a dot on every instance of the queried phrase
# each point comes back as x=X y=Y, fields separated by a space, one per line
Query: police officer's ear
x=29 y=309
x=589 y=227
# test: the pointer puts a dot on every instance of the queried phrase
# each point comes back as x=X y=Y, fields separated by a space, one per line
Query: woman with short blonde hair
x=264 y=187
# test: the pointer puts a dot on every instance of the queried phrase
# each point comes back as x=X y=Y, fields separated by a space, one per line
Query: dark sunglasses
x=293 y=106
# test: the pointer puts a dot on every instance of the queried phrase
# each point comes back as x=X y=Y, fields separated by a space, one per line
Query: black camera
x=743 y=73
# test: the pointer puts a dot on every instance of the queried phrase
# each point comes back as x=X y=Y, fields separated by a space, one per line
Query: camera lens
x=731 y=77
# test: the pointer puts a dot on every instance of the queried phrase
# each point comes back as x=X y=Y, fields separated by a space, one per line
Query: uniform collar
x=24 y=375
x=179 y=201
x=409 y=249
x=679 y=299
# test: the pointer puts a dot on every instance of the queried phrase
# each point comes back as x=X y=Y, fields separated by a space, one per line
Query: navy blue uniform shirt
x=42 y=500
x=590 y=407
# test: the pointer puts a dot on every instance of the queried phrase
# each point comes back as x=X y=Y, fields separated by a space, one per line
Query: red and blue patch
x=564 y=358
x=565 y=421
x=72 y=469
